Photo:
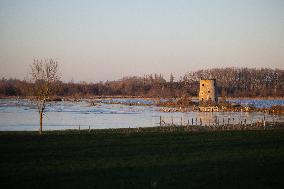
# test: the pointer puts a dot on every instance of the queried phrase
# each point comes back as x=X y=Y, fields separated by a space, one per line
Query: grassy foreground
x=67 y=159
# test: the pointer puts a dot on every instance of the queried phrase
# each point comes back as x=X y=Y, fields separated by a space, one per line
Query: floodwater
x=21 y=115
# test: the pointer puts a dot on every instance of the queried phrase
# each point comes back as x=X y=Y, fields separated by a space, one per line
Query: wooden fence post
x=264 y=124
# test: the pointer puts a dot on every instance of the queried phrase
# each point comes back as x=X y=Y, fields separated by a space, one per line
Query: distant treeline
x=231 y=82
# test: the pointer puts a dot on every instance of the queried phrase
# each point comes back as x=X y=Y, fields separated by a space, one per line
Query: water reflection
x=22 y=115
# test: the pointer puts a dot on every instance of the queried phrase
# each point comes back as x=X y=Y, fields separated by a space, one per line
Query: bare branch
x=44 y=74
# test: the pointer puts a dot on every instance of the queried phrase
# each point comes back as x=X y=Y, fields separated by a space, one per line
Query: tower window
x=208 y=91
x=203 y=85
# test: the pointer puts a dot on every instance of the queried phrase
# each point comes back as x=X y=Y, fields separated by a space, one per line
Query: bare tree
x=44 y=74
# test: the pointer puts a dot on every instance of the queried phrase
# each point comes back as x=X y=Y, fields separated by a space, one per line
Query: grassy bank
x=109 y=159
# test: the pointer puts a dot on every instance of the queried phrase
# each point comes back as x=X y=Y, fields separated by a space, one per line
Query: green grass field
x=108 y=159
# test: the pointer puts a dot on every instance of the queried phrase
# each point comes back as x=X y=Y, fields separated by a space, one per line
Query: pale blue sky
x=105 y=40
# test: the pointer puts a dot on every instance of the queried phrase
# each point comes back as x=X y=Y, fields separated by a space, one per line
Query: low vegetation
x=150 y=159
x=277 y=109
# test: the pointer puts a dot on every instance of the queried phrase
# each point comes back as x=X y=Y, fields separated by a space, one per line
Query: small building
x=208 y=91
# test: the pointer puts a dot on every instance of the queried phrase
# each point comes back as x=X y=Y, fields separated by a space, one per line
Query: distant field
x=110 y=159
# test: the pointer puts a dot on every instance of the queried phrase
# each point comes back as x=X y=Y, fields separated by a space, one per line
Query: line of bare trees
x=232 y=82
x=238 y=82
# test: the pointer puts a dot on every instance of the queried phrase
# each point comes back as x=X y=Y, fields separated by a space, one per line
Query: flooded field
x=21 y=115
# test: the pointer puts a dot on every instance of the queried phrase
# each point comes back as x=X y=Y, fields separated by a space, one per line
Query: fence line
x=229 y=124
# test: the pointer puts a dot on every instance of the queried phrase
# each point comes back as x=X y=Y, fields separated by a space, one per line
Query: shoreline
x=169 y=128
x=150 y=98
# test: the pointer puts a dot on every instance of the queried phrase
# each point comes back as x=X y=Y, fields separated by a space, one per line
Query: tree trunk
x=40 y=128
